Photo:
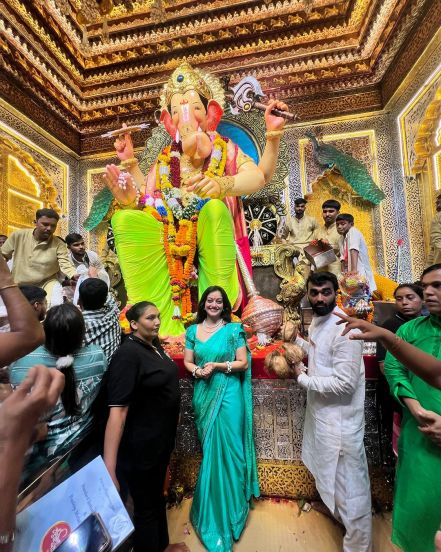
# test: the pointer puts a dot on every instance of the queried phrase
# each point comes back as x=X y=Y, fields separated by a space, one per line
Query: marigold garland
x=178 y=213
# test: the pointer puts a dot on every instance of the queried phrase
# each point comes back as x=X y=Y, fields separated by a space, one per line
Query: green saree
x=417 y=511
x=224 y=420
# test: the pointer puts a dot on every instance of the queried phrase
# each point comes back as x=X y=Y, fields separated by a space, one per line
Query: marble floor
x=277 y=527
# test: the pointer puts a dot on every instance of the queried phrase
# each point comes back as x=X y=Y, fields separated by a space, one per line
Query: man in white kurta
x=354 y=254
x=87 y=264
x=333 y=448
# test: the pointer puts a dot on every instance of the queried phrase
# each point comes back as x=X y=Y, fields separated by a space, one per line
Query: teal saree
x=223 y=413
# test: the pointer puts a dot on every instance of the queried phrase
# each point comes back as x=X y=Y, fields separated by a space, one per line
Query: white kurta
x=83 y=271
x=333 y=434
x=354 y=240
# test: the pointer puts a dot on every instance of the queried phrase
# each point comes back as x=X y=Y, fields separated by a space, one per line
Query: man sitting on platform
x=354 y=253
x=333 y=448
x=328 y=233
x=300 y=229
x=39 y=255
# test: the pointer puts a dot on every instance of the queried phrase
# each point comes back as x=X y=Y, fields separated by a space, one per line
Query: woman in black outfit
x=143 y=398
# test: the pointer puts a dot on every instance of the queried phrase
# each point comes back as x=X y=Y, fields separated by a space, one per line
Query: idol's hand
x=121 y=185
x=124 y=146
x=273 y=122
x=204 y=186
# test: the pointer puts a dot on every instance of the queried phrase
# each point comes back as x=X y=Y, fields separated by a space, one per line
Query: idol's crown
x=185 y=78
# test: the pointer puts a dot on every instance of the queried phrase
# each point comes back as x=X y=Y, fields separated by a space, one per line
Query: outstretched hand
x=369 y=332
x=120 y=184
x=273 y=122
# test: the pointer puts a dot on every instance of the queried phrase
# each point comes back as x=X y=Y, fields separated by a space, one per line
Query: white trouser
x=358 y=527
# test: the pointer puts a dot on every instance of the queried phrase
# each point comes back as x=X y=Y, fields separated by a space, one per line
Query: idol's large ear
x=167 y=121
x=214 y=114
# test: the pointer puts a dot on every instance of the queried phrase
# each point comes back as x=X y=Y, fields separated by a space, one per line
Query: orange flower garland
x=180 y=221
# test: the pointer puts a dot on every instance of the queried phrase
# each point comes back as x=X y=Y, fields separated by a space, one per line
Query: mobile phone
x=90 y=536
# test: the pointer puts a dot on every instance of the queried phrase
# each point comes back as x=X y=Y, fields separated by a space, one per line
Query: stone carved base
x=279 y=408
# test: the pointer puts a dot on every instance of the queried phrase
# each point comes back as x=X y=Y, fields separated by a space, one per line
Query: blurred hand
x=369 y=332
x=123 y=193
x=5 y=273
x=124 y=146
x=93 y=272
x=20 y=412
x=430 y=424
x=273 y=122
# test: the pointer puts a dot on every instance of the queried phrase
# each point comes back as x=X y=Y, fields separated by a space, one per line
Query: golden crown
x=185 y=78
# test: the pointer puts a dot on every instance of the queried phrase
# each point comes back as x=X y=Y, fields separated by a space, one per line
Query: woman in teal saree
x=216 y=354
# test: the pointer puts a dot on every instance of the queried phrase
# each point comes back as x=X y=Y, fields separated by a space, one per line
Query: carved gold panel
x=24 y=187
x=21 y=210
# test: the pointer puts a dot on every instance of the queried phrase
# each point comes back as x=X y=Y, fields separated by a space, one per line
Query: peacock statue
x=352 y=170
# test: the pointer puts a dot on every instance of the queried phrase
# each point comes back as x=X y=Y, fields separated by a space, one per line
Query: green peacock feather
x=100 y=206
x=352 y=170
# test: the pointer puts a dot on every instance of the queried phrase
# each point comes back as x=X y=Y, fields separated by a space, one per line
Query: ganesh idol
x=186 y=211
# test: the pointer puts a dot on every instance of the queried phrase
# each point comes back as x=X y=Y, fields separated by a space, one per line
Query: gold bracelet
x=273 y=134
x=7 y=287
x=226 y=184
x=128 y=163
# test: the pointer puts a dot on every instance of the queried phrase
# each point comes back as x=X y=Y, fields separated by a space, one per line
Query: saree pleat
x=223 y=415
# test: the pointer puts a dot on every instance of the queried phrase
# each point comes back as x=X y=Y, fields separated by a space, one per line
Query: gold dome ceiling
x=324 y=58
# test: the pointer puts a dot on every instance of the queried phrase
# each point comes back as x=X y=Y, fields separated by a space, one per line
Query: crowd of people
x=61 y=349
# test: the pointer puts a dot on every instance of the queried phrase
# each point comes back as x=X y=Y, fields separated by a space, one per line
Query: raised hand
x=369 y=332
x=121 y=185
x=124 y=146
x=273 y=122
x=21 y=410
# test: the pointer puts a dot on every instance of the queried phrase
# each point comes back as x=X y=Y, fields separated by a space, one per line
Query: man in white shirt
x=87 y=263
x=333 y=447
x=354 y=253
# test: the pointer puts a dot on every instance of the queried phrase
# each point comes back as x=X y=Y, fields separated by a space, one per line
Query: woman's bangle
x=229 y=367
x=9 y=286
x=195 y=369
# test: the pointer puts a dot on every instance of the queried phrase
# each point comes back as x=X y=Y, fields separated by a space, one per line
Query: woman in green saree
x=217 y=356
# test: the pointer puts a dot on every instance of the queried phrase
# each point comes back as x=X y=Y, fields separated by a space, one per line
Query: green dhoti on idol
x=187 y=210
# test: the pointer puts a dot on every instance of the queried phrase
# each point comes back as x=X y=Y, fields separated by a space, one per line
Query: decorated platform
x=279 y=410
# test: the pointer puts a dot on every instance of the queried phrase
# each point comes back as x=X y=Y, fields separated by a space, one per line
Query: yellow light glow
x=27 y=173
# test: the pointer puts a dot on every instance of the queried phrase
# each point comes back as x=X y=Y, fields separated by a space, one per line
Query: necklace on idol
x=212 y=329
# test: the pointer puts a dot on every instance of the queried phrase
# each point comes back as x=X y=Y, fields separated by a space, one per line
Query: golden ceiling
x=323 y=57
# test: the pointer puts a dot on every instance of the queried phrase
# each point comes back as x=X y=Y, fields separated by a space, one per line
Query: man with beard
x=333 y=448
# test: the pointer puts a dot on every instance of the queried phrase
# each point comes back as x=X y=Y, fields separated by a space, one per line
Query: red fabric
x=258 y=368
